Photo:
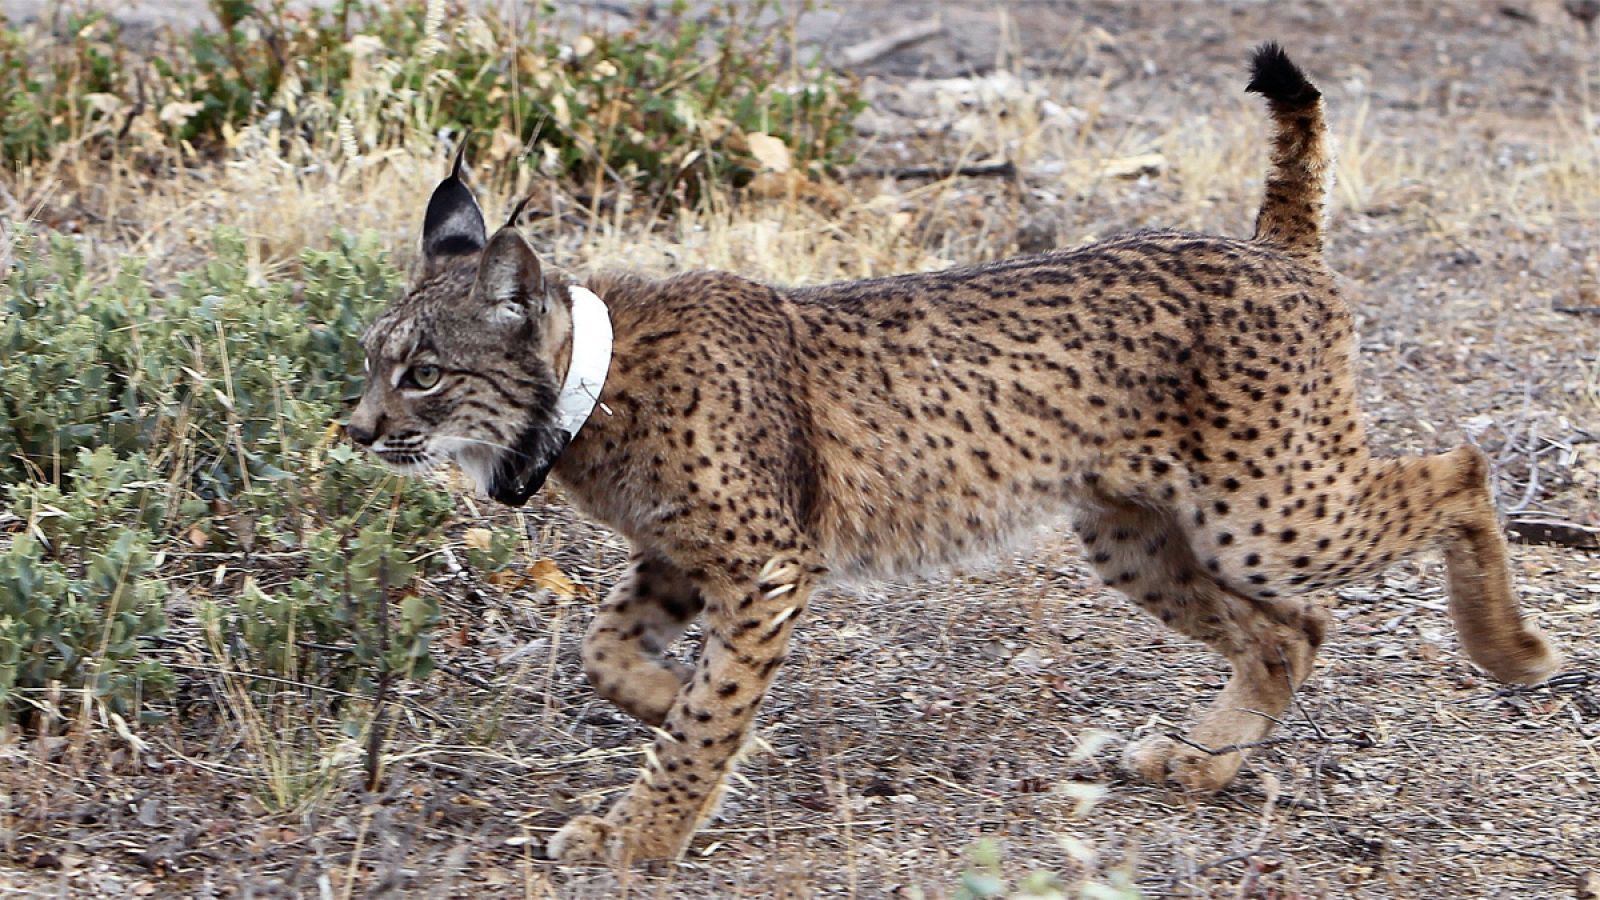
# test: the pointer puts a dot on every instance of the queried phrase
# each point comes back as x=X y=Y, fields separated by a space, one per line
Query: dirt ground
x=914 y=720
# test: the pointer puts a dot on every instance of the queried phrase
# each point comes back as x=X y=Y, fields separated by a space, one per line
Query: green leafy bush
x=665 y=101
x=222 y=369
x=199 y=421
x=82 y=629
x=352 y=616
x=986 y=877
x=76 y=602
x=49 y=87
x=329 y=626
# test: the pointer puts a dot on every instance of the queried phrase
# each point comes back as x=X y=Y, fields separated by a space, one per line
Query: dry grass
x=914 y=720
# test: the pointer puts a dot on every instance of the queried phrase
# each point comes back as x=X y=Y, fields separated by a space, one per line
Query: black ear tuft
x=516 y=213
x=454 y=222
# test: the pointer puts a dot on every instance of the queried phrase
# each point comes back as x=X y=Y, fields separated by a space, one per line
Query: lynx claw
x=778 y=572
x=584 y=839
x=778 y=591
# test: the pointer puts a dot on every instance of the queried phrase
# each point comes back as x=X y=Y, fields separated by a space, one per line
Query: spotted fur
x=1186 y=399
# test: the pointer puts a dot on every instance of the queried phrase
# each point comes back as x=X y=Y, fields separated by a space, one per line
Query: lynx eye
x=424 y=377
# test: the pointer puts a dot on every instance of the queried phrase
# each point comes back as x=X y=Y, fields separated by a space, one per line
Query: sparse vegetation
x=201 y=420
x=662 y=103
x=204 y=592
x=211 y=407
x=987 y=878
x=80 y=625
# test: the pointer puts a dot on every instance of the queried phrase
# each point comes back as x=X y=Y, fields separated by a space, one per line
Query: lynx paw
x=584 y=839
x=1534 y=661
x=1162 y=760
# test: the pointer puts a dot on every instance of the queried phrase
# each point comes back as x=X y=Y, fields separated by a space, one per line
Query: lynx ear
x=509 y=279
x=454 y=223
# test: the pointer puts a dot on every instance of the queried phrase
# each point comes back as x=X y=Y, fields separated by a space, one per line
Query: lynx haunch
x=1186 y=400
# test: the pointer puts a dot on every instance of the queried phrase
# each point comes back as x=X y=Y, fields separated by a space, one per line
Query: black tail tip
x=1274 y=76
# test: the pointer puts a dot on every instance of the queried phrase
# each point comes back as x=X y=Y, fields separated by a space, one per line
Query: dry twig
x=877 y=48
x=1554 y=531
x=380 y=704
x=1005 y=169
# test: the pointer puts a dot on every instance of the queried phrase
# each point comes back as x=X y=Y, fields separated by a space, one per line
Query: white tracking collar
x=589 y=362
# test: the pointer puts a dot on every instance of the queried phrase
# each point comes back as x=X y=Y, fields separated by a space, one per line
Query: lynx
x=1186 y=401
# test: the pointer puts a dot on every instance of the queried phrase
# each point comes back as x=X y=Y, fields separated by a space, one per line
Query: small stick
x=877 y=48
x=380 y=704
x=1531 y=854
x=1554 y=531
x=1005 y=169
x=1356 y=742
x=1554 y=683
x=1175 y=880
x=1533 y=475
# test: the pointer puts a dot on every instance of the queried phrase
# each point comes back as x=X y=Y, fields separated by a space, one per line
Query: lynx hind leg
x=1482 y=602
x=1398 y=507
x=1270 y=644
x=624 y=650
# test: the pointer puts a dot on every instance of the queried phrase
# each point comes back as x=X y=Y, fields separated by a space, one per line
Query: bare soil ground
x=913 y=720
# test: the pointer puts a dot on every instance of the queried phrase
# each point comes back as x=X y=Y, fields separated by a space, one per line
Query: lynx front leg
x=747 y=638
x=623 y=652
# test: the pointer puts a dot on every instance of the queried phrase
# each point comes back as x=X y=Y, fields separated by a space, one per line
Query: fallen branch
x=1173 y=881
x=1005 y=169
x=877 y=48
x=1360 y=743
x=1518 y=14
x=1557 y=864
x=1566 y=682
x=1578 y=310
x=442 y=666
x=1280 y=802
x=380 y=708
x=1554 y=531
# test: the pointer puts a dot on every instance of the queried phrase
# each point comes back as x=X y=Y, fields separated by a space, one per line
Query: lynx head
x=466 y=365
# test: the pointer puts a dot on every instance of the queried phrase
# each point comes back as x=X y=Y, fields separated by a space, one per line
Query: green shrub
x=222 y=370
x=986 y=878
x=49 y=87
x=76 y=603
x=662 y=102
x=202 y=420
x=58 y=390
x=353 y=613
x=328 y=627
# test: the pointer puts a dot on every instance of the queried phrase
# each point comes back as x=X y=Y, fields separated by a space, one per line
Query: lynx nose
x=364 y=426
x=361 y=434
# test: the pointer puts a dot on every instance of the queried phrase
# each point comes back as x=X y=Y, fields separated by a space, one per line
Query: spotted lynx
x=1186 y=401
